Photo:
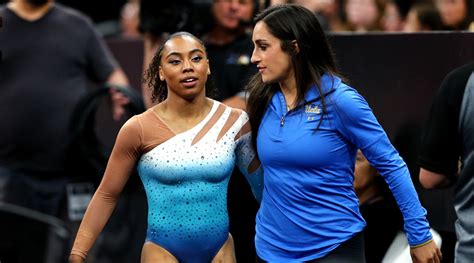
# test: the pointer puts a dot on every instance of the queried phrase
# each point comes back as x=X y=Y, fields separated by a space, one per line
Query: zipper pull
x=282 y=120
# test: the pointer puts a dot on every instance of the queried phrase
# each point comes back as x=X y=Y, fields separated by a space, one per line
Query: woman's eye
x=174 y=62
x=263 y=48
x=196 y=59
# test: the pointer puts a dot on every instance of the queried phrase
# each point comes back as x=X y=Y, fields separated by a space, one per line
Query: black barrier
x=398 y=74
x=129 y=54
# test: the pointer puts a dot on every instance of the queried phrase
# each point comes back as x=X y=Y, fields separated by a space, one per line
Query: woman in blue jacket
x=308 y=126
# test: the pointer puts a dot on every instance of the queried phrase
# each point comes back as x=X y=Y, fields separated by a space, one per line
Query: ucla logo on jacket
x=311 y=111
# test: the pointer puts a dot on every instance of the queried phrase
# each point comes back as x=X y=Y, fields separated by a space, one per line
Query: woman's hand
x=75 y=259
x=427 y=253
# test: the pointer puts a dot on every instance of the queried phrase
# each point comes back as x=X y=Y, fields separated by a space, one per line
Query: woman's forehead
x=182 y=44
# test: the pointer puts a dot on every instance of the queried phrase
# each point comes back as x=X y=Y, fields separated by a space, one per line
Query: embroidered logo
x=311 y=111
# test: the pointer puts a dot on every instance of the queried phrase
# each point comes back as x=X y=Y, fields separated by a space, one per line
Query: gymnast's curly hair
x=158 y=86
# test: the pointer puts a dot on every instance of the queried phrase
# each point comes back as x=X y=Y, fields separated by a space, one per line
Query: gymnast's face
x=185 y=67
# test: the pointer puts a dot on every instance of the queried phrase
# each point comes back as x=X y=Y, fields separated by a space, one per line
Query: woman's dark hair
x=152 y=77
x=291 y=22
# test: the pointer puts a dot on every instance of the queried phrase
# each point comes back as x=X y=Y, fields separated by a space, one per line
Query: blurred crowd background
x=120 y=18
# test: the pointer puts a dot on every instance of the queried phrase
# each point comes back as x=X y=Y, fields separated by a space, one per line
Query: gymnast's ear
x=160 y=72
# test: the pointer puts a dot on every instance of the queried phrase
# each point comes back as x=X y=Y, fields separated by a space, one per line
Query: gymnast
x=184 y=149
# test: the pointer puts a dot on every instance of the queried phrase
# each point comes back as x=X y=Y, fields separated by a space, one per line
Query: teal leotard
x=186 y=178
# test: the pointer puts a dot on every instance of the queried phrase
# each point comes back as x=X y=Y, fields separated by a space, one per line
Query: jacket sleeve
x=358 y=124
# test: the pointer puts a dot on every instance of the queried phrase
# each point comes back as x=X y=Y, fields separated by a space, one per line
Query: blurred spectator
x=364 y=15
x=50 y=55
x=456 y=14
x=423 y=17
x=447 y=149
x=316 y=7
x=229 y=47
x=129 y=19
x=378 y=208
x=328 y=12
x=124 y=26
x=332 y=12
x=393 y=20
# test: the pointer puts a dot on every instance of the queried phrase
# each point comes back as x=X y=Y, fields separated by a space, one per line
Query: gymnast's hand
x=426 y=253
x=75 y=259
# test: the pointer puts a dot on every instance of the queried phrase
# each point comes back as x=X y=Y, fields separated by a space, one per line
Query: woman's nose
x=254 y=59
x=187 y=66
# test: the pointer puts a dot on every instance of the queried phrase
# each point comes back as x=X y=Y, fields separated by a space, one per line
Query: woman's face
x=184 y=67
x=452 y=12
x=362 y=14
x=273 y=63
x=391 y=19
